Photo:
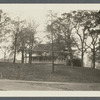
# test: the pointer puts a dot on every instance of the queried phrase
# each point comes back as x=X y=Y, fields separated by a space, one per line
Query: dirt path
x=14 y=85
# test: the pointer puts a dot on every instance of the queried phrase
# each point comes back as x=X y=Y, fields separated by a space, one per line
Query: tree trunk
x=71 y=57
x=15 y=48
x=4 y=56
x=25 y=57
x=22 y=56
x=93 y=61
x=30 y=57
x=70 y=51
x=82 y=58
x=52 y=62
x=14 y=56
x=52 y=49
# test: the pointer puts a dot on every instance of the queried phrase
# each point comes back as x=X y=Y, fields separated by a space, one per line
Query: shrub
x=76 y=62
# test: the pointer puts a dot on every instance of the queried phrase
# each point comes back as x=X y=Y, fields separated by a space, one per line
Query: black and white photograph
x=49 y=47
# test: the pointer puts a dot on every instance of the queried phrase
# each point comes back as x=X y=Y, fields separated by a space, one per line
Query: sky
x=38 y=12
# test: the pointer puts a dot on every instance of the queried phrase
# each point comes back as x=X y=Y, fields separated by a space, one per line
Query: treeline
x=20 y=34
x=76 y=29
x=73 y=30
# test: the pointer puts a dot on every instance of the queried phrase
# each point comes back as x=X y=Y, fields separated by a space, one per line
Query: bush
x=76 y=62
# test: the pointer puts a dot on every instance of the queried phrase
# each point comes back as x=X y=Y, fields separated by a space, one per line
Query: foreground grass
x=43 y=72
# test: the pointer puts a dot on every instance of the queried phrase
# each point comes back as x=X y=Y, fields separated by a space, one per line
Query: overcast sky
x=38 y=12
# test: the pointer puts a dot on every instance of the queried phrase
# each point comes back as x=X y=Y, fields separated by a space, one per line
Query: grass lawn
x=43 y=72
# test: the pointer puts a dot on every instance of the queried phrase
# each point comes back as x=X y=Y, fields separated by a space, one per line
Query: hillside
x=42 y=72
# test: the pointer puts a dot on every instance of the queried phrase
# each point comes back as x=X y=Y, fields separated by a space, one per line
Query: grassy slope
x=42 y=72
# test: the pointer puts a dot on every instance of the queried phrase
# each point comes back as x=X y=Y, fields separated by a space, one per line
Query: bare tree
x=16 y=26
x=31 y=40
x=63 y=27
x=4 y=21
x=52 y=17
x=81 y=21
x=4 y=46
x=94 y=32
x=22 y=42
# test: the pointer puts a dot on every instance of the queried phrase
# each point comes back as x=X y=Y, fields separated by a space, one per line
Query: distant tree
x=51 y=17
x=3 y=19
x=82 y=21
x=93 y=47
x=16 y=26
x=94 y=32
x=4 y=46
x=4 y=22
x=62 y=29
x=22 y=42
x=31 y=38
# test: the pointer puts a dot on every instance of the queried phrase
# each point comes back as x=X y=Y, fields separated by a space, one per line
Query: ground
x=20 y=85
x=40 y=77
